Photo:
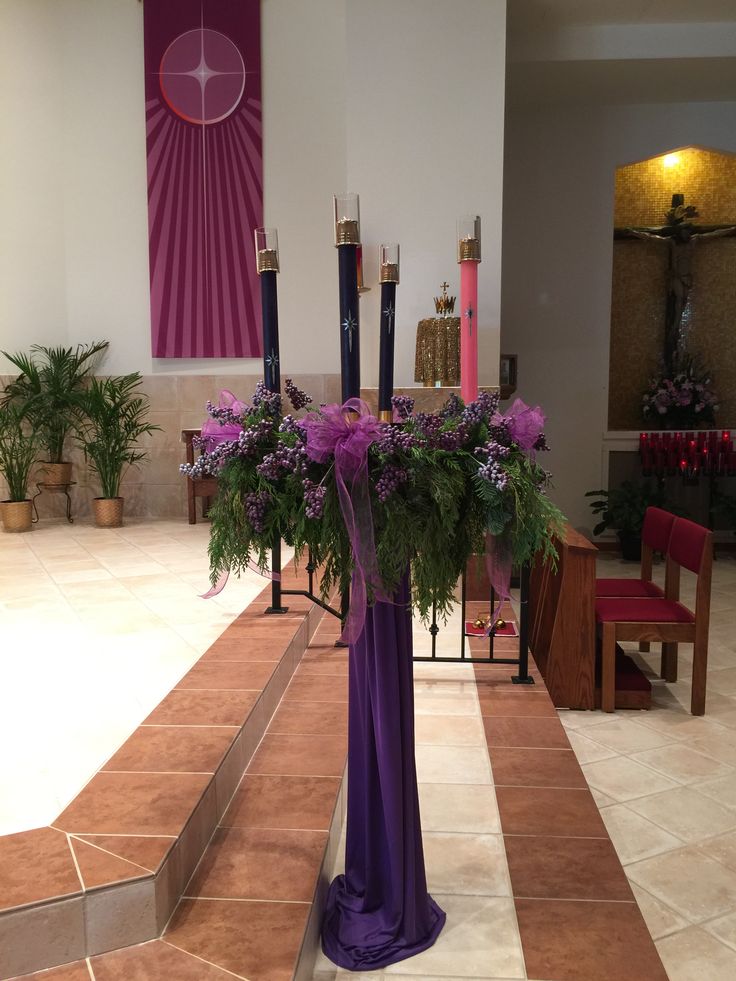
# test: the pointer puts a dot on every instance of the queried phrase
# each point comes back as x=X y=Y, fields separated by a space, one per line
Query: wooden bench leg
x=608 y=668
x=191 y=504
x=669 y=661
x=644 y=646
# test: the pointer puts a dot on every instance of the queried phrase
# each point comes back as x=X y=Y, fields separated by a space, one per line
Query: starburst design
x=388 y=313
x=349 y=325
x=272 y=362
x=469 y=313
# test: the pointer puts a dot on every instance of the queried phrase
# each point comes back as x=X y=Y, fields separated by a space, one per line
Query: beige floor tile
x=686 y=814
x=445 y=703
x=681 y=763
x=623 y=779
x=601 y=799
x=723 y=681
x=680 y=724
x=694 y=955
x=459 y=807
x=466 y=864
x=635 y=838
x=722 y=849
x=690 y=883
x=480 y=940
x=572 y=719
x=447 y=764
x=721 y=745
x=586 y=750
x=626 y=736
x=724 y=929
x=450 y=730
x=660 y=919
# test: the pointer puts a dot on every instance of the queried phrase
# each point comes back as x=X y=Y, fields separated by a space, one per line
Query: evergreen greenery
x=19 y=445
x=434 y=517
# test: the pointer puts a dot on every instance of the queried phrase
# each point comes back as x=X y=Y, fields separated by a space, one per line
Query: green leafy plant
x=49 y=386
x=114 y=421
x=724 y=506
x=623 y=508
x=19 y=445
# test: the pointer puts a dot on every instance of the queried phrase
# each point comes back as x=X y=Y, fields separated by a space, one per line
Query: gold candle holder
x=267 y=250
x=468 y=238
x=388 y=263
x=347 y=219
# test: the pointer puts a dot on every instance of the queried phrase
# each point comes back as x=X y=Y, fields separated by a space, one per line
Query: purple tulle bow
x=345 y=432
x=215 y=432
x=525 y=423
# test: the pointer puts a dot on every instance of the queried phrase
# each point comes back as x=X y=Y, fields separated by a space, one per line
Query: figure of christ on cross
x=680 y=238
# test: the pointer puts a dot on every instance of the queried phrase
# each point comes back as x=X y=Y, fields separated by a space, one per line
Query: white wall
x=73 y=233
x=557 y=253
x=425 y=145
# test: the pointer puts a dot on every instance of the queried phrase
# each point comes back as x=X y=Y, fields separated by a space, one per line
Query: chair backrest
x=657 y=529
x=688 y=543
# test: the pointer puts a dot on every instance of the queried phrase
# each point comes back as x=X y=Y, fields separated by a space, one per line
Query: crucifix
x=678 y=235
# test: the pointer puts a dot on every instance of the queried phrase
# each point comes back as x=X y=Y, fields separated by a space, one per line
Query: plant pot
x=630 y=546
x=56 y=474
x=108 y=511
x=16 y=515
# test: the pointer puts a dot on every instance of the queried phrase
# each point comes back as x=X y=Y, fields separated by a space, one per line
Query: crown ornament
x=444 y=305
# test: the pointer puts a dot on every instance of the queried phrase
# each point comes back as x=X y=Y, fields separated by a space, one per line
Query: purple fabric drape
x=380 y=912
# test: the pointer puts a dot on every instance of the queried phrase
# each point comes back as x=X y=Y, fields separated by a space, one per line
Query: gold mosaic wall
x=643 y=194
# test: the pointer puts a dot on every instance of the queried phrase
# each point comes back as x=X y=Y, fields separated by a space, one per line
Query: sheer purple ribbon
x=345 y=432
x=498 y=566
x=525 y=423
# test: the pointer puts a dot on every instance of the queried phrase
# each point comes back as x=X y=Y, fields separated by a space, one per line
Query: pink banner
x=205 y=176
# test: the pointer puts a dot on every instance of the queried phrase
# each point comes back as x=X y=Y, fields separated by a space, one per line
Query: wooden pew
x=205 y=488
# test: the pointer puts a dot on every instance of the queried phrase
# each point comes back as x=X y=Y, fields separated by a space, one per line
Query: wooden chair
x=205 y=487
x=664 y=619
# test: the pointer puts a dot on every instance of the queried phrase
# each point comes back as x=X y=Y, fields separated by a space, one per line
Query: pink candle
x=468 y=255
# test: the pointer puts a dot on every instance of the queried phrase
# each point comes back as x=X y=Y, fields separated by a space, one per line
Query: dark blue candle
x=347 y=240
x=388 y=266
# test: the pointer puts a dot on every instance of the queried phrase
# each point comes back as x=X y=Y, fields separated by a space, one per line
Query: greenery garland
x=439 y=483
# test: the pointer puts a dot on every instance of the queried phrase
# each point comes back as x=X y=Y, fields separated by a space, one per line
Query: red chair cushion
x=687 y=543
x=627 y=588
x=641 y=611
x=657 y=528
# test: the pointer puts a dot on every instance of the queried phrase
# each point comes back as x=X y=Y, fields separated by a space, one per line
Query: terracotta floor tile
x=227 y=676
x=251 y=939
x=318 y=653
x=246 y=648
x=539 y=733
x=500 y=704
x=100 y=868
x=36 y=865
x=319 y=668
x=311 y=719
x=582 y=941
x=283 y=802
x=134 y=803
x=546 y=811
x=203 y=708
x=566 y=868
x=76 y=971
x=147 y=852
x=154 y=961
x=536 y=768
x=186 y=749
x=317 y=689
x=252 y=863
x=319 y=756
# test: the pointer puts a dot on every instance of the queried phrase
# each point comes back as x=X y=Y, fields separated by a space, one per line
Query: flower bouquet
x=367 y=499
x=681 y=397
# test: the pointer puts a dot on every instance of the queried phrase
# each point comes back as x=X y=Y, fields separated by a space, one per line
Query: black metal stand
x=523 y=677
x=54 y=489
x=310 y=593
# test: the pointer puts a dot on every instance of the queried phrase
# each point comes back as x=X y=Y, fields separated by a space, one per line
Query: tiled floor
x=666 y=786
x=72 y=597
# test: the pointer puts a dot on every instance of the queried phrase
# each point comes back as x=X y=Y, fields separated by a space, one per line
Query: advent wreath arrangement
x=367 y=499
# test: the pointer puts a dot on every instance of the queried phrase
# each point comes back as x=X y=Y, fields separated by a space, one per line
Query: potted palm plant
x=49 y=384
x=622 y=509
x=114 y=421
x=18 y=449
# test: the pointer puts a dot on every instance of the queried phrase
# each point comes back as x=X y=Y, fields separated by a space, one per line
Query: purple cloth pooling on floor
x=380 y=912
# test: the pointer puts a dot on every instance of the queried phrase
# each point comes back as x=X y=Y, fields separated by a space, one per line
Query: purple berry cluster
x=314 y=498
x=403 y=404
x=291 y=425
x=492 y=469
x=224 y=414
x=481 y=409
x=451 y=439
x=541 y=443
x=210 y=463
x=394 y=439
x=270 y=401
x=452 y=408
x=256 y=509
x=391 y=478
x=283 y=460
x=297 y=397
